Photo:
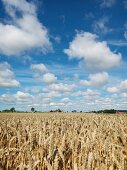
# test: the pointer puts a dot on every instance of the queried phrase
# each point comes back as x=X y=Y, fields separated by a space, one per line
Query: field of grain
x=63 y=142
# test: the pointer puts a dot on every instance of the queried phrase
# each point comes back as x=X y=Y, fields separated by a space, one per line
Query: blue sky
x=63 y=54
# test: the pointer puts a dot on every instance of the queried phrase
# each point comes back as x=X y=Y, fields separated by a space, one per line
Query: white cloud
x=20 y=34
x=100 y=26
x=53 y=94
x=41 y=73
x=120 y=88
x=91 y=94
x=22 y=5
x=46 y=96
x=49 y=78
x=112 y=89
x=97 y=79
x=17 y=98
x=123 y=86
x=46 y=100
x=77 y=93
x=33 y=89
x=96 y=55
x=7 y=76
x=61 y=87
x=22 y=97
x=39 y=67
x=7 y=98
x=56 y=104
x=124 y=95
x=88 y=94
x=65 y=100
x=88 y=100
x=107 y=3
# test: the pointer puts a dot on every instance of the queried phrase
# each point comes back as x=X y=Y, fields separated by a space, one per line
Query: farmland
x=65 y=141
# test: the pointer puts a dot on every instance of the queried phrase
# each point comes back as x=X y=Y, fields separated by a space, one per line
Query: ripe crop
x=63 y=141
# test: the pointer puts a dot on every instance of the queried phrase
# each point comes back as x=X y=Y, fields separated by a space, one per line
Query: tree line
x=33 y=110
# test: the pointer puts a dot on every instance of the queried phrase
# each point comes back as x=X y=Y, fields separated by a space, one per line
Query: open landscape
x=63 y=141
x=63 y=84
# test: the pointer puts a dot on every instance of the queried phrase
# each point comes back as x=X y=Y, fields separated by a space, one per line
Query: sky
x=63 y=54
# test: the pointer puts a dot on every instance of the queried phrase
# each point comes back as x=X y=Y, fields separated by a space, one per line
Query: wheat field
x=63 y=141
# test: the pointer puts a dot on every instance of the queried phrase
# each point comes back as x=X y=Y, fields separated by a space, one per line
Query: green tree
x=12 y=109
x=32 y=109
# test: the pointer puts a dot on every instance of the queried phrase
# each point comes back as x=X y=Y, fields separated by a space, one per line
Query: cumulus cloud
x=123 y=86
x=41 y=73
x=7 y=98
x=107 y=3
x=25 y=100
x=112 y=89
x=96 y=55
x=39 y=67
x=97 y=79
x=124 y=95
x=22 y=97
x=120 y=88
x=20 y=34
x=52 y=94
x=33 y=89
x=17 y=98
x=56 y=104
x=46 y=97
x=7 y=78
x=90 y=92
x=22 y=6
x=49 y=78
x=65 y=100
x=61 y=87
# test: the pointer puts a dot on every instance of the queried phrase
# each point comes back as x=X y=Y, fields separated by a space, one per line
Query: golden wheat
x=63 y=142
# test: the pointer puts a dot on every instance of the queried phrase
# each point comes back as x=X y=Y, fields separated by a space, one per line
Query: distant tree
x=12 y=109
x=111 y=111
x=4 y=110
x=32 y=109
x=58 y=110
x=74 y=111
